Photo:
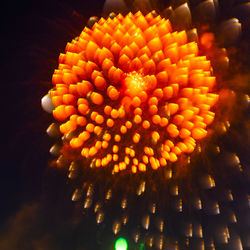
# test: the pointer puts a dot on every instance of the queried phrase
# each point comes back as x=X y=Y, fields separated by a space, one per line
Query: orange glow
x=136 y=94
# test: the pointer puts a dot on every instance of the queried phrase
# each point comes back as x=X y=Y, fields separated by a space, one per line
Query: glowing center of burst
x=134 y=84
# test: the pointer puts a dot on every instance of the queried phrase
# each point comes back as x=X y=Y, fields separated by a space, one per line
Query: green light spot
x=141 y=246
x=121 y=244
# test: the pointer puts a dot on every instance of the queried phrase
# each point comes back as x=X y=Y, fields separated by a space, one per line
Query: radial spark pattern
x=135 y=94
x=132 y=93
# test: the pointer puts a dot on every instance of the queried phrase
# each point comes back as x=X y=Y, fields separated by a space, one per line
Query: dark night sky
x=31 y=44
x=36 y=208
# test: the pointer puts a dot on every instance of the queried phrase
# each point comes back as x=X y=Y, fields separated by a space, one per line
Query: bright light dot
x=121 y=244
x=134 y=84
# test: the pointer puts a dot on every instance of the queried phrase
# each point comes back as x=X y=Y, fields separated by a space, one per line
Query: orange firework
x=134 y=93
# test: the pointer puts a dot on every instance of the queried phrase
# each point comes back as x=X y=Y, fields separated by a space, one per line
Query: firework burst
x=138 y=93
x=140 y=105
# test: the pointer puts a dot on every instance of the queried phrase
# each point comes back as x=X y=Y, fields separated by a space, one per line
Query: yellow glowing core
x=134 y=84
